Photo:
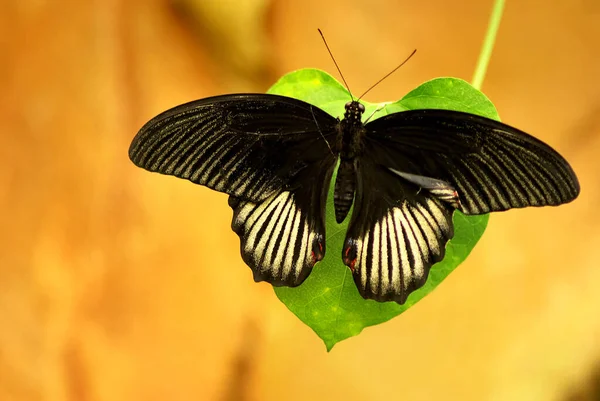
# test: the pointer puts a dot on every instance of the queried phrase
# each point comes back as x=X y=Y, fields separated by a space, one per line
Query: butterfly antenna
x=336 y=64
x=387 y=75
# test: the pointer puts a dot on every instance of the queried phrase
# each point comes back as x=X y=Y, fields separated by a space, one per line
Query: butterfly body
x=351 y=132
x=349 y=147
x=404 y=175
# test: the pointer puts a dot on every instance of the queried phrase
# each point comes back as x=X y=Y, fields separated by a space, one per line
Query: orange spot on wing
x=350 y=263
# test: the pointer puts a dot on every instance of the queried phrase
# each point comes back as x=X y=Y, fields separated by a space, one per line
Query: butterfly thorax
x=351 y=131
x=349 y=145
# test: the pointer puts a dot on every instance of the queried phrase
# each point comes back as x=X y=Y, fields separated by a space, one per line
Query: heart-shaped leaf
x=328 y=301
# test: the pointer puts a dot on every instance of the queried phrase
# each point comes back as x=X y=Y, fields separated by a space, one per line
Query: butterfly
x=403 y=175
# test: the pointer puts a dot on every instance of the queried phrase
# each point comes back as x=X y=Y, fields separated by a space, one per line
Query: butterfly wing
x=396 y=233
x=272 y=154
x=283 y=236
x=246 y=145
x=487 y=165
x=426 y=163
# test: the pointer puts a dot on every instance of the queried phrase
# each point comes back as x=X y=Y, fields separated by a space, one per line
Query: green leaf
x=328 y=301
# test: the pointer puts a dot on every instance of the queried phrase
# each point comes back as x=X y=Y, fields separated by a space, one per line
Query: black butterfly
x=405 y=173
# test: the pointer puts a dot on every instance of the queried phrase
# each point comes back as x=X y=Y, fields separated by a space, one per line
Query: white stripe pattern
x=394 y=255
x=278 y=242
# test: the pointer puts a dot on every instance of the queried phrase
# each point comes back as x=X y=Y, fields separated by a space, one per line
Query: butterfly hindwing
x=491 y=165
x=396 y=233
x=246 y=145
x=283 y=236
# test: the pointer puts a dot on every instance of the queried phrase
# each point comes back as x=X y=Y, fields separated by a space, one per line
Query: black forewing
x=246 y=145
x=491 y=165
x=396 y=233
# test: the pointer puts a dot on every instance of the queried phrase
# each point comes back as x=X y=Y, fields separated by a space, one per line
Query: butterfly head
x=354 y=111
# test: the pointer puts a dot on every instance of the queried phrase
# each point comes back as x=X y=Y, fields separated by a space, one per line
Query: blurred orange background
x=117 y=284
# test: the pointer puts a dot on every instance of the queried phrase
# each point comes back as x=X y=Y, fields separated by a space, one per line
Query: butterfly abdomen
x=345 y=185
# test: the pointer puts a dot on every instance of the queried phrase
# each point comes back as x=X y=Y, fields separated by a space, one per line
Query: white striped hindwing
x=392 y=257
x=396 y=234
x=281 y=239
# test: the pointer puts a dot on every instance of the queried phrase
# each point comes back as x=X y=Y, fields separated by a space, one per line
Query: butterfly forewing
x=247 y=145
x=491 y=165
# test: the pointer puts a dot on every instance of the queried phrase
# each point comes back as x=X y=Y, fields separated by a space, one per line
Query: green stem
x=488 y=44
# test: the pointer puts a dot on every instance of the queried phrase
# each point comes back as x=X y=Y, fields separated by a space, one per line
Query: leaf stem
x=488 y=44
